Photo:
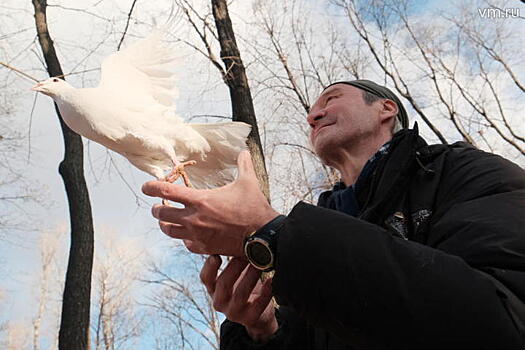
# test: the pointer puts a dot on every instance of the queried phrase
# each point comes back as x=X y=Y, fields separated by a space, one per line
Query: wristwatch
x=260 y=246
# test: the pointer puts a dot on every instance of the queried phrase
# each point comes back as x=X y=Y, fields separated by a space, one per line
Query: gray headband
x=381 y=91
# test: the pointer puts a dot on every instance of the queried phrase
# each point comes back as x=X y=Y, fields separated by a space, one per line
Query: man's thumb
x=245 y=164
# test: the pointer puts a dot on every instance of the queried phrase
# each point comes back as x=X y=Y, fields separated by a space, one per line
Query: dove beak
x=37 y=87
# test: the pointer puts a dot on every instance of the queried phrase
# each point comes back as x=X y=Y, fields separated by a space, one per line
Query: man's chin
x=324 y=150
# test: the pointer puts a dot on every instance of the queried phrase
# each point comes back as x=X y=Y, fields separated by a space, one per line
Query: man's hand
x=241 y=296
x=213 y=221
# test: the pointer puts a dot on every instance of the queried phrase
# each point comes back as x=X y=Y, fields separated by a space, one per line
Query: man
x=419 y=247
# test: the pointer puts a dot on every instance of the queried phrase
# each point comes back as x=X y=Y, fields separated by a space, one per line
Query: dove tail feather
x=219 y=165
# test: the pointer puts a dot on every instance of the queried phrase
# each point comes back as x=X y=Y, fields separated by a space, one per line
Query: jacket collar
x=389 y=178
x=392 y=176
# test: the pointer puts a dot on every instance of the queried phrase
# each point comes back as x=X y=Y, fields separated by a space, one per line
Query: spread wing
x=143 y=72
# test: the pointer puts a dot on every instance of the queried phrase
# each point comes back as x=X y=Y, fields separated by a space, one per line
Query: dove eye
x=55 y=80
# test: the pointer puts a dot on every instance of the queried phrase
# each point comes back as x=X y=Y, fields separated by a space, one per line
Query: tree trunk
x=74 y=325
x=240 y=95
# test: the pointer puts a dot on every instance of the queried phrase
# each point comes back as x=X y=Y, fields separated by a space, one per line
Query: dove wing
x=143 y=72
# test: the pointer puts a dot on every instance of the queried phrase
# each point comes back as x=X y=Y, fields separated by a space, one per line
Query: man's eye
x=329 y=98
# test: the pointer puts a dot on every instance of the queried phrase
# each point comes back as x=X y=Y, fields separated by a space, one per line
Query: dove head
x=52 y=87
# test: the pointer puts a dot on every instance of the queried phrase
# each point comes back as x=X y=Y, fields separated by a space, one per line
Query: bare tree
x=296 y=52
x=184 y=305
x=232 y=71
x=50 y=249
x=489 y=48
x=16 y=190
x=3 y=324
x=235 y=77
x=17 y=336
x=431 y=64
x=119 y=264
x=74 y=327
x=456 y=66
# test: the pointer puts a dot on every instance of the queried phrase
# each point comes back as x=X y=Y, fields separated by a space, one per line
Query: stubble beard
x=329 y=149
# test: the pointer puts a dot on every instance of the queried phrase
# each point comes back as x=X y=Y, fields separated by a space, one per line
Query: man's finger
x=225 y=282
x=173 y=230
x=172 y=192
x=194 y=247
x=169 y=214
x=245 y=165
x=209 y=272
x=261 y=301
x=245 y=285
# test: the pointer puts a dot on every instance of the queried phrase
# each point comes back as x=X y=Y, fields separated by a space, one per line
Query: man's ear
x=389 y=110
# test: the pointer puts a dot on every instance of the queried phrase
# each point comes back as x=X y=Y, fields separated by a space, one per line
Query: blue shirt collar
x=344 y=198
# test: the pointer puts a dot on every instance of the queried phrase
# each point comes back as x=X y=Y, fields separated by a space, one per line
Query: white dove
x=132 y=112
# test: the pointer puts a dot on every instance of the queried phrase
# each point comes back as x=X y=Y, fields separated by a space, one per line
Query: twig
x=208 y=116
x=30 y=124
x=79 y=72
x=80 y=10
x=137 y=198
x=127 y=25
x=18 y=71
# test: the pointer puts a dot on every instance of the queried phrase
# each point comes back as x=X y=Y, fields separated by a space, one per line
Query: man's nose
x=314 y=116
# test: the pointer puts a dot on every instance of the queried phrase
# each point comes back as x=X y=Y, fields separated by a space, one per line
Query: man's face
x=340 y=120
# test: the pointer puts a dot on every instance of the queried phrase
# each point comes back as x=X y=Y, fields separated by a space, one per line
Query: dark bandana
x=381 y=91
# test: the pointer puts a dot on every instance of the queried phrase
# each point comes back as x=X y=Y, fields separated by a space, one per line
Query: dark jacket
x=436 y=259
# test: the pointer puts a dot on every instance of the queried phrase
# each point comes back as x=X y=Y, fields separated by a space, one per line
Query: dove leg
x=178 y=170
x=183 y=172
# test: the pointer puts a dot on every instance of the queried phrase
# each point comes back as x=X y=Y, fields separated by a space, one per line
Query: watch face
x=259 y=254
